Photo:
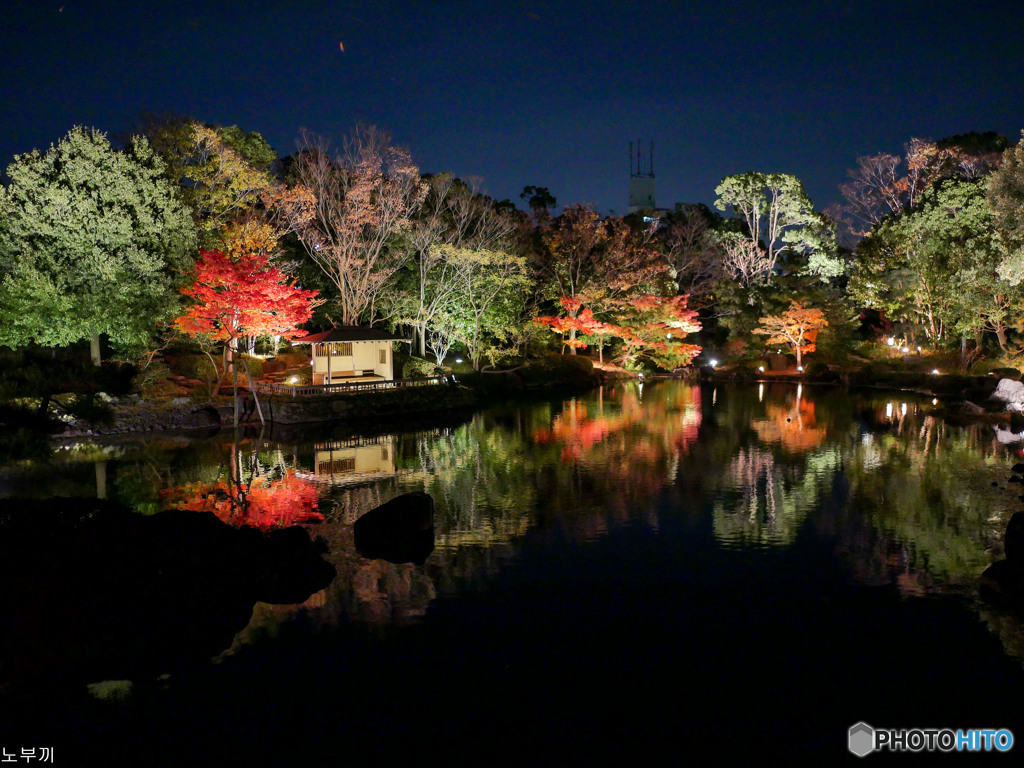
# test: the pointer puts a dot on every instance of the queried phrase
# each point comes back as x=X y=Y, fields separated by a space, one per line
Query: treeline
x=102 y=241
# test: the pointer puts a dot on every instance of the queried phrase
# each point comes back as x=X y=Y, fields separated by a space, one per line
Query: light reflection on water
x=804 y=550
x=904 y=499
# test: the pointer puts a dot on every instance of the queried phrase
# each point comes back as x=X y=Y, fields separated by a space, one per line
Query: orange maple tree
x=798 y=327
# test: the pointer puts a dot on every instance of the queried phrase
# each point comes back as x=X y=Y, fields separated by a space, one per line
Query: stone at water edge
x=1013 y=541
x=1009 y=391
x=400 y=531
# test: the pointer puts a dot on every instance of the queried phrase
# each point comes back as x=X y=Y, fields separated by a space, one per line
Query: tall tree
x=453 y=214
x=491 y=286
x=1006 y=199
x=887 y=185
x=223 y=174
x=592 y=262
x=954 y=226
x=694 y=251
x=92 y=241
x=937 y=266
x=355 y=221
x=777 y=212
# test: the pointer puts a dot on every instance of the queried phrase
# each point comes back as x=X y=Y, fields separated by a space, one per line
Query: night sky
x=523 y=92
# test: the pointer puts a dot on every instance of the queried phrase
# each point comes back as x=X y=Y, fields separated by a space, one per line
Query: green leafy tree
x=92 y=241
x=937 y=266
x=955 y=224
x=491 y=286
x=1006 y=199
x=779 y=214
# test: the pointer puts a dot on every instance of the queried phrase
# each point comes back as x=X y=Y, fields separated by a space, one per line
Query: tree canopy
x=93 y=241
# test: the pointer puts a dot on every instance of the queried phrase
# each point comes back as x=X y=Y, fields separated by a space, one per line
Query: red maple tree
x=260 y=503
x=243 y=296
x=648 y=324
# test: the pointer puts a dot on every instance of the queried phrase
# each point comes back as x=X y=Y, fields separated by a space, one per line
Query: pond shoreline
x=358 y=411
x=182 y=415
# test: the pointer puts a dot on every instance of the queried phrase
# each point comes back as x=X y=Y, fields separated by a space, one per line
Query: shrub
x=193 y=366
x=816 y=368
x=418 y=368
x=294 y=358
x=255 y=365
x=154 y=373
x=303 y=376
x=1006 y=373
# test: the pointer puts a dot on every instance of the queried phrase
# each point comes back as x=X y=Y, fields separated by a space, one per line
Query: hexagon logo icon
x=861 y=739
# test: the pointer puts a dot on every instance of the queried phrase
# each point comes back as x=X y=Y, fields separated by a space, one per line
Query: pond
x=747 y=570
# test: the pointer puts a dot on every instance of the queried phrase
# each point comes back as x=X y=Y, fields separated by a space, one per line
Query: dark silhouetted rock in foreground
x=1013 y=542
x=89 y=590
x=1006 y=580
x=400 y=531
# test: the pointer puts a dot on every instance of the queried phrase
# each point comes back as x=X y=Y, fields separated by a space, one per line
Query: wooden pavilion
x=351 y=353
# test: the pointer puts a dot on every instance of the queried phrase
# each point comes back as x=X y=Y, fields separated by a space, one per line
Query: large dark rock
x=91 y=591
x=1013 y=541
x=400 y=531
x=1004 y=579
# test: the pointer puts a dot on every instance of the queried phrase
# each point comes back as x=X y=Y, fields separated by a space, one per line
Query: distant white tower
x=641 y=179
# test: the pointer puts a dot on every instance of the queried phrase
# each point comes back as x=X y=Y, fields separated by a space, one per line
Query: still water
x=740 y=571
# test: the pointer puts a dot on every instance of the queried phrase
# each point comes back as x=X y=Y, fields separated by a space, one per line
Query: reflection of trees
x=791 y=424
x=479 y=477
x=765 y=501
x=931 y=485
x=618 y=450
x=251 y=492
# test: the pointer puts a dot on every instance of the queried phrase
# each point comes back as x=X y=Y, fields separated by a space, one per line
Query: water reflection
x=903 y=499
x=250 y=491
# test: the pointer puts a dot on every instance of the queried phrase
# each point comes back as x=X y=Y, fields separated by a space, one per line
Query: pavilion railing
x=342 y=388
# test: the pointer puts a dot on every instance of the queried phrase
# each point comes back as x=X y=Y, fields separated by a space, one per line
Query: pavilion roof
x=348 y=333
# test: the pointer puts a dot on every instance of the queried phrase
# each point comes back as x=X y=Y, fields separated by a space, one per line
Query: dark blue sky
x=544 y=93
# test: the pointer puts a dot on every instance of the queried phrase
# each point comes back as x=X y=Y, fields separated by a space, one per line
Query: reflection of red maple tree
x=262 y=503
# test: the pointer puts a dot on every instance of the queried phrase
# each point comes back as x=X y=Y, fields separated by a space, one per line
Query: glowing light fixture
x=293 y=380
x=891 y=341
x=712 y=362
x=935 y=371
x=761 y=368
x=800 y=368
x=458 y=359
x=935 y=401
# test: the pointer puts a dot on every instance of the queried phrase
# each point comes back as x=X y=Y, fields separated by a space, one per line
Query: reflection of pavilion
x=354 y=460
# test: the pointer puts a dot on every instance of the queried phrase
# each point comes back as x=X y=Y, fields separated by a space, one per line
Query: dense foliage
x=98 y=241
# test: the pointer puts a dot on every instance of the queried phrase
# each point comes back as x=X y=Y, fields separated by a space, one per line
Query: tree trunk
x=1001 y=335
x=94 y=349
x=101 y=479
x=234 y=381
